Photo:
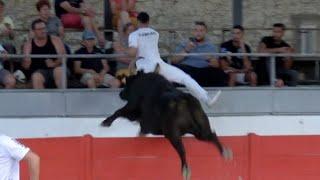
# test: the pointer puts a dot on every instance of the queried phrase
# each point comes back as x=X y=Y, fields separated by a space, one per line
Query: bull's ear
x=157 y=69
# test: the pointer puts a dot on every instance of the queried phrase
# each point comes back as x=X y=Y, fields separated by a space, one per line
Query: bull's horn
x=157 y=69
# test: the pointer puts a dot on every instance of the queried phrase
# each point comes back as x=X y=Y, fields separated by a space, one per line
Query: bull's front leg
x=125 y=112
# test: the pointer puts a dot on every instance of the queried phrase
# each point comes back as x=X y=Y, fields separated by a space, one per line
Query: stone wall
x=180 y=14
x=263 y=14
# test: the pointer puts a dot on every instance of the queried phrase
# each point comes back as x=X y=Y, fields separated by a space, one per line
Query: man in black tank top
x=44 y=72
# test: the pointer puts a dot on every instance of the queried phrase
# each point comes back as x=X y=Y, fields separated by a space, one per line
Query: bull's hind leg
x=225 y=151
x=212 y=137
x=125 y=112
x=176 y=142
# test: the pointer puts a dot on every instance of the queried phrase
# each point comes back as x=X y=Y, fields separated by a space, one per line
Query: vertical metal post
x=64 y=72
x=316 y=71
x=272 y=70
x=237 y=12
x=108 y=20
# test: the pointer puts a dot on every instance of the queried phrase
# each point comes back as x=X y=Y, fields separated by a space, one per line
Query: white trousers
x=174 y=74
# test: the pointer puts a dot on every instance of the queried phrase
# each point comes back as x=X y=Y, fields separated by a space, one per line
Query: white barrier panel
x=224 y=126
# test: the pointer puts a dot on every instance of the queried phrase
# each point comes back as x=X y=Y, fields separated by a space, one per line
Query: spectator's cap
x=88 y=35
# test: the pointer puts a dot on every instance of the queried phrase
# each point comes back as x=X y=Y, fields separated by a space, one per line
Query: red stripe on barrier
x=255 y=158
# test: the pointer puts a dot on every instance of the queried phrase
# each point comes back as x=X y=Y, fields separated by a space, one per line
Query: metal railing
x=272 y=59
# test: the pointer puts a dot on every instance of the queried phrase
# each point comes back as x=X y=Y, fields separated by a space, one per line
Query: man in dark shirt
x=44 y=72
x=275 y=44
x=238 y=67
x=93 y=71
x=77 y=14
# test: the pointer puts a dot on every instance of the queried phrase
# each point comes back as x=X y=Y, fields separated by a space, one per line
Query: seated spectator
x=124 y=12
x=78 y=14
x=120 y=46
x=44 y=72
x=7 y=38
x=53 y=23
x=6 y=78
x=238 y=68
x=204 y=69
x=6 y=30
x=93 y=71
x=275 y=44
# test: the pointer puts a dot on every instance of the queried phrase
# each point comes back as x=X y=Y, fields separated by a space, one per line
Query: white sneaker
x=19 y=75
x=212 y=101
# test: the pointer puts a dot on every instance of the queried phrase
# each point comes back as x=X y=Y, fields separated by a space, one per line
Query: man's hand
x=89 y=12
x=50 y=63
x=190 y=45
x=286 y=50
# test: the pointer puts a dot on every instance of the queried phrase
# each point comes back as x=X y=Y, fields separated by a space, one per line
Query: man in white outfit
x=143 y=44
x=11 y=153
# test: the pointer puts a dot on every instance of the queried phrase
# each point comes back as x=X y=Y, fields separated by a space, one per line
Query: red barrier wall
x=255 y=158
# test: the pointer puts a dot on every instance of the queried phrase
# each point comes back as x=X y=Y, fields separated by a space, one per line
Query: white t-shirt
x=11 y=152
x=146 y=41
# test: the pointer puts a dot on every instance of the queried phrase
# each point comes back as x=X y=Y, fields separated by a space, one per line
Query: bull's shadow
x=162 y=109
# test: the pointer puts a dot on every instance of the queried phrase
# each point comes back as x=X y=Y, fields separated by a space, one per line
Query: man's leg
x=289 y=76
x=57 y=76
x=7 y=79
x=38 y=80
x=178 y=76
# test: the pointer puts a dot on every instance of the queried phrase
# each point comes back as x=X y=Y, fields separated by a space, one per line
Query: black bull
x=162 y=109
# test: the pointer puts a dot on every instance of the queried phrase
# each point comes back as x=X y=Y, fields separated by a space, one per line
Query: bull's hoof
x=106 y=123
x=227 y=153
x=186 y=173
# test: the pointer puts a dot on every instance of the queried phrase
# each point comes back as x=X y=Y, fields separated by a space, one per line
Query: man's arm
x=106 y=67
x=58 y=45
x=262 y=48
x=33 y=161
x=79 y=70
x=60 y=29
x=67 y=6
x=132 y=52
x=246 y=61
x=182 y=49
x=26 y=51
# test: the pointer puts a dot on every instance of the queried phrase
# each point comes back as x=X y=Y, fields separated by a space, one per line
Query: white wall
x=224 y=126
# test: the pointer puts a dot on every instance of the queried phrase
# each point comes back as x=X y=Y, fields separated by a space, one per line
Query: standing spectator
x=204 y=69
x=53 y=23
x=6 y=30
x=11 y=153
x=275 y=44
x=124 y=12
x=78 y=14
x=239 y=68
x=7 y=37
x=93 y=71
x=44 y=72
x=6 y=78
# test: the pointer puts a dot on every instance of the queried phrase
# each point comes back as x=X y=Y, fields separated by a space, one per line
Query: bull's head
x=128 y=88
